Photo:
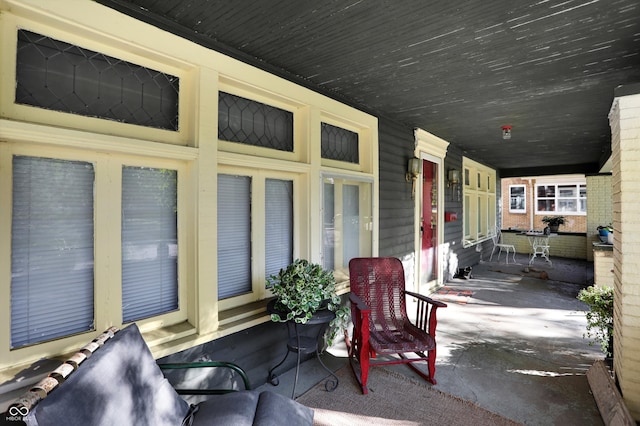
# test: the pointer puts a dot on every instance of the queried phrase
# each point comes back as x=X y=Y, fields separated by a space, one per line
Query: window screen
x=51 y=249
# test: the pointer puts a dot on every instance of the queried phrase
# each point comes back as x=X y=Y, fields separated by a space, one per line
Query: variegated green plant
x=303 y=288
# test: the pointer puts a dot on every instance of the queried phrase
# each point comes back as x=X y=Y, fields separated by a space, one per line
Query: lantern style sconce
x=413 y=171
x=506 y=132
x=453 y=182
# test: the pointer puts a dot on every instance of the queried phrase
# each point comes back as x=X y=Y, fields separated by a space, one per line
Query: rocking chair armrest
x=360 y=305
x=426 y=299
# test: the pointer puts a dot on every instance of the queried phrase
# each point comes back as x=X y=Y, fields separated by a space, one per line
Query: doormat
x=453 y=295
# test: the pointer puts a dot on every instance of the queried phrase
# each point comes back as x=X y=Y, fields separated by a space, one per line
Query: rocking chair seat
x=381 y=325
x=406 y=338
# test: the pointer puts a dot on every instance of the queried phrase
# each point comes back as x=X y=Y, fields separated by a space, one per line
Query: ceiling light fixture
x=506 y=132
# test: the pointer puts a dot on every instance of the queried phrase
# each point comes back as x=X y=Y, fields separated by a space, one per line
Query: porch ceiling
x=458 y=69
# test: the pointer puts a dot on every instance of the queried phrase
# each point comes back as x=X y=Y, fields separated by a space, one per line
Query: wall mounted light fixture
x=413 y=171
x=453 y=182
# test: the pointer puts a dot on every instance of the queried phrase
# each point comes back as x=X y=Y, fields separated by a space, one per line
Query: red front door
x=429 y=246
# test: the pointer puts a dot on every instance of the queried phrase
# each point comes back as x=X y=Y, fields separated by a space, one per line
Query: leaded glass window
x=59 y=76
x=339 y=144
x=250 y=122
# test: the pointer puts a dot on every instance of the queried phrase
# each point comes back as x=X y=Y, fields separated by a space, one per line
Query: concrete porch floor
x=515 y=346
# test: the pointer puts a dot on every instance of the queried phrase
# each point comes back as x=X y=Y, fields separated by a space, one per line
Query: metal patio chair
x=498 y=244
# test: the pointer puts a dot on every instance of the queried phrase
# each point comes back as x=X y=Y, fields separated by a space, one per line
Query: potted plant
x=553 y=222
x=604 y=232
x=303 y=288
x=600 y=316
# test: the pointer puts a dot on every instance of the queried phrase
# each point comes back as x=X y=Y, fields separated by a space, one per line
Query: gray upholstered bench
x=115 y=381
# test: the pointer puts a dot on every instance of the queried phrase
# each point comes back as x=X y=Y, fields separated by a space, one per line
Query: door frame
x=434 y=149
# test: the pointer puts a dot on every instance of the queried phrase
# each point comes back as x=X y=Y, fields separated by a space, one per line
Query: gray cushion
x=237 y=409
x=273 y=408
x=120 y=384
x=252 y=408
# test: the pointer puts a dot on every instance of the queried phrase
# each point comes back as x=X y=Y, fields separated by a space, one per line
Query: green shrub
x=600 y=315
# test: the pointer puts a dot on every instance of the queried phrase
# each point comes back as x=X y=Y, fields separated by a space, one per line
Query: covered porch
x=511 y=343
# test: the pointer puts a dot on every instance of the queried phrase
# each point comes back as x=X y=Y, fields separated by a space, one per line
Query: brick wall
x=530 y=220
x=625 y=145
x=599 y=207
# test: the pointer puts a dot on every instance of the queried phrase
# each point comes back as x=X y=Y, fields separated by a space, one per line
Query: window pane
x=234 y=235
x=253 y=123
x=351 y=225
x=149 y=242
x=339 y=144
x=55 y=75
x=567 y=205
x=51 y=249
x=279 y=224
x=567 y=191
x=347 y=223
x=546 y=206
x=329 y=226
x=517 y=199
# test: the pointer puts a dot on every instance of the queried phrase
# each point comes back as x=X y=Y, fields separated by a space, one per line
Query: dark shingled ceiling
x=458 y=69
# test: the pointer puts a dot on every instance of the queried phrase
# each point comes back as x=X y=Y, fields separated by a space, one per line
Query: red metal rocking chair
x=380 y=322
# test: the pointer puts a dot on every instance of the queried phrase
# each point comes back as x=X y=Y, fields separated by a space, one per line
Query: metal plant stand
x=305 y=339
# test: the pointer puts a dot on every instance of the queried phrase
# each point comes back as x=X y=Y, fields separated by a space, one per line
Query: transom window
x=250 y=122
x=59 y=76
x=339 y=144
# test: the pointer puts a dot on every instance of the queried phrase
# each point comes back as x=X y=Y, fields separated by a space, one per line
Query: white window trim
x=577 y=182
x=107 y=244
x=479 y=193
x=523 y=210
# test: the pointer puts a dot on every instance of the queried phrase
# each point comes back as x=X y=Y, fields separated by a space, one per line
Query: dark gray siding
x=396 y=206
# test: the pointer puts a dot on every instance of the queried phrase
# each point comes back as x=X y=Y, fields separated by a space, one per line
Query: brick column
x=624 y=119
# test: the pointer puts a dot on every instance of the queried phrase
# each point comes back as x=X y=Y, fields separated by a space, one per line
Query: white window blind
x=51 y=249
x=234 y=235
x=279 y=223
x=149 y=242
x=351 y=224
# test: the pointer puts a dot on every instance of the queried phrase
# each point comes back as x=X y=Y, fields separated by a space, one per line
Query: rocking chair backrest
x=379 y=282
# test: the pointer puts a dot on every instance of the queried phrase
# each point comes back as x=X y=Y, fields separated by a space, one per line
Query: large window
x=255 y=233
x=565 y=198
x=66 y=209
x=479 y=202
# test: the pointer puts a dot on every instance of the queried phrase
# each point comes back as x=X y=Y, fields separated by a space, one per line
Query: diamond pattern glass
x=339 y=144
x=58 y=76
x=250 y=122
